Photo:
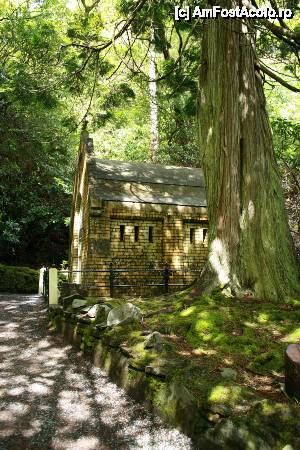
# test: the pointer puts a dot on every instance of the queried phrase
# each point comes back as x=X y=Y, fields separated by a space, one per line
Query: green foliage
x=287 y=141
x=36 y=146
x=47 y=86
x=18 y=279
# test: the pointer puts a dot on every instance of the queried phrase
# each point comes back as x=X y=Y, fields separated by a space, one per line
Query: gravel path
x=51 y=398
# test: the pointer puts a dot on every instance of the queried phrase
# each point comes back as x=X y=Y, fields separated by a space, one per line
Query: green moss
x=268 y=362
x=89 y=341
x=202 y=337
x=293 y=336
x=224 y=394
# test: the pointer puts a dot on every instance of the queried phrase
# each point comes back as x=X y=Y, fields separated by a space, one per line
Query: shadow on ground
x=51 y=398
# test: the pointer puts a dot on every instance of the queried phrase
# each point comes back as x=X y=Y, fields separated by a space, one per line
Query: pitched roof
x=146 y=183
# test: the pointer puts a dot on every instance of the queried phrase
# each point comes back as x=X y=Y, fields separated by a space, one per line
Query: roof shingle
x=146 y=183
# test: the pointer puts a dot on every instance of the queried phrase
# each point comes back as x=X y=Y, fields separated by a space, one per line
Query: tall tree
x=250 y=243
x=154 y=144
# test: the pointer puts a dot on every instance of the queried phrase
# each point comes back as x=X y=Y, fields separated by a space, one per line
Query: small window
x=122 y=233
x=136 y=233
x=192 y=235
x=204 y=234
x=150 y=234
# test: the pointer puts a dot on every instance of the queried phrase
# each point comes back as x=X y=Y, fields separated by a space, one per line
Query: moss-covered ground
x=209 y=334
x=203 y=337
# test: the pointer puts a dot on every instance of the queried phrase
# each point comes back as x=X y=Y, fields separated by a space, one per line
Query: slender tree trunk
x=250 y=245
x=154 y=145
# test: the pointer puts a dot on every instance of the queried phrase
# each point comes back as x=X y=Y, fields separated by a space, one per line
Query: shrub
x=18 y=279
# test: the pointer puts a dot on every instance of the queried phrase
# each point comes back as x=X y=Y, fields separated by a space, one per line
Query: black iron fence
x=46 y=284
x=130 y=279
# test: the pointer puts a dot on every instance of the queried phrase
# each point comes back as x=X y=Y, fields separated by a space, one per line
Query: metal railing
x=113 y=278
x=46 y=284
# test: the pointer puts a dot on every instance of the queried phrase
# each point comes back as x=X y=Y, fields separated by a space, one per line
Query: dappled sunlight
x=221 y=393
x=247 y=215
x=74 y=406
x=187 y=312
x=219 y=261
x=82 y=443
x=293 y=337
x=39 y=389
x=51 y=397
x=210 y=131
x=16 y=391
x=34 y=428
x=263 y=318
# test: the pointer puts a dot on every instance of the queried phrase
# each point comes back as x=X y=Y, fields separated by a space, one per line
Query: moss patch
x=202 y=338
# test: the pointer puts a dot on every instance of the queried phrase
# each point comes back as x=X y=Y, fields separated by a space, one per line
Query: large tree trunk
x=250 y=245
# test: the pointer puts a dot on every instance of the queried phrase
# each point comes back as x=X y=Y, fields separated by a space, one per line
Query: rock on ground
x=78 y=303
x=154 y=340
x=123 y=314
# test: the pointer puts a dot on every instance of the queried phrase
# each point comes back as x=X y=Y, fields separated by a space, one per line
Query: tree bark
x=250 y=246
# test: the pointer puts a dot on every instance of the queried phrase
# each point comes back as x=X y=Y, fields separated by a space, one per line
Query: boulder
x=98 y=330
x=93 y=311
x=182 y=396
x=146 y=332
x=229 y=374
x=101 y=312
x=68 y=289
x=78 y=303
x=67 y=301
x=154 y=340
x=85 y=309
x=123 y=314
x=222 y=409
x=126 y=351
x=214 y=418
x=157 y=371
x=101 y=326
x=84 y=319
x=227 y=435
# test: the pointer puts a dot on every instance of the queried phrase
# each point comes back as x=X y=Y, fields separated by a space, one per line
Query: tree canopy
x=66 y=62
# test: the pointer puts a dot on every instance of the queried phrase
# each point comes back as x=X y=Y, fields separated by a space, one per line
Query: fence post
x=166 y=278
x=46 y=283
x=53 y=290
x=111 y=280
x=41 y=281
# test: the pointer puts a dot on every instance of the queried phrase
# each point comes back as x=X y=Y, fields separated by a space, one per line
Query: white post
x=53 y=291
x=41 y=281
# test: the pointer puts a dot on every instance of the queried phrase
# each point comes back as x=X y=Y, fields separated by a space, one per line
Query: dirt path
x=51 y=398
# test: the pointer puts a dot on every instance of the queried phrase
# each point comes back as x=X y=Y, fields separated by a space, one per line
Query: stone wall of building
x=135 y=236
x=136 y=240
x=139 y=236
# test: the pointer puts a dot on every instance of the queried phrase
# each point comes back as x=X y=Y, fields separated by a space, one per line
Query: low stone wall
x=170 y=400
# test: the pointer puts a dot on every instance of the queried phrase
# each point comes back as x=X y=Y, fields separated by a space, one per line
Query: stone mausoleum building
x=135 y=216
